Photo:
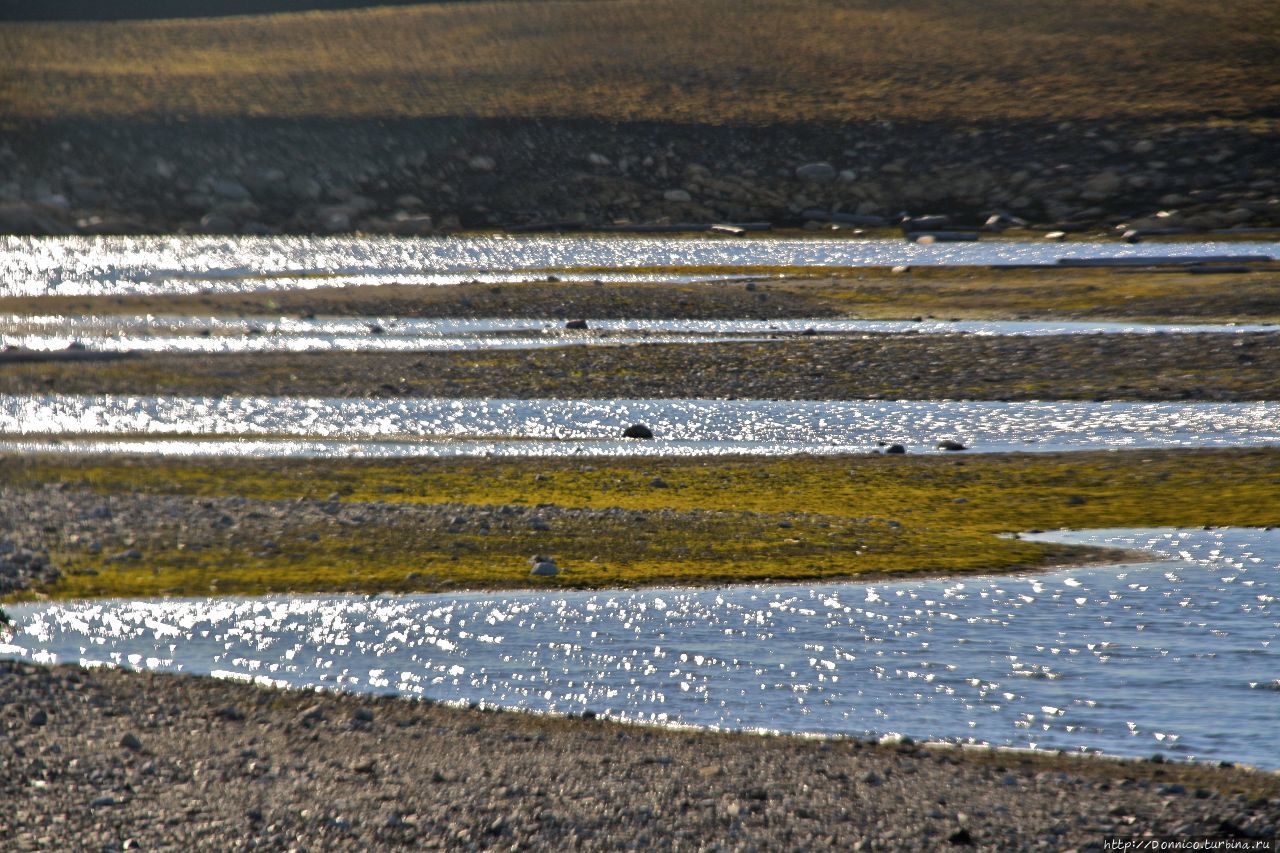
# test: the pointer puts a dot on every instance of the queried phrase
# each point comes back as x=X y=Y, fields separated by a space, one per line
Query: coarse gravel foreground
x=110 y=760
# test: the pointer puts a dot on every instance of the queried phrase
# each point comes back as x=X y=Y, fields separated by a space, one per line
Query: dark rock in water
x=576 y=324
x=375 y=329
x=895 y=448
x=810 y=331
x=637 y=431
x=948 y=444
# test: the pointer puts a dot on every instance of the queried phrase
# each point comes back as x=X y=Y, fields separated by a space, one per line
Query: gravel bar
x=112 y=760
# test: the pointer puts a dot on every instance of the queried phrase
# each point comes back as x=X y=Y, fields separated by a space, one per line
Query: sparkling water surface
x=1178 y=655
x=146 y=333
x=117 y=265
x=450 y=427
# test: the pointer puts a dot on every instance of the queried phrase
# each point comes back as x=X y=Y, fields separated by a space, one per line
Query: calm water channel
x=450 y=427
x=117 y=265
x=1180 y=655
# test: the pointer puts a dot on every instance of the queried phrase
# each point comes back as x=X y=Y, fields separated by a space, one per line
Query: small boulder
x=576 y=324
x=677 y=195
x=949 y=444
x=544 y=567
x=482 y=163
x=895 y=449
x=231 y=190
x=131 y=742
x=816 y=173
x=637 y=431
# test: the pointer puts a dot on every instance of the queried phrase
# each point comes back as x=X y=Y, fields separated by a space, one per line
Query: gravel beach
x=112 y=760
x=1208 y=367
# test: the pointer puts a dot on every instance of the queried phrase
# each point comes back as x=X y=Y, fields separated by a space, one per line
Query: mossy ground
x=715 y=521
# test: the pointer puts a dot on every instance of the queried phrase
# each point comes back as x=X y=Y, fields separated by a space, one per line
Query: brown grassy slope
x=714 y=61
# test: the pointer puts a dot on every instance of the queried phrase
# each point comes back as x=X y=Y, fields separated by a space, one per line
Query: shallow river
x=1180 y=655
x=264 y=426
x=118 y=265
x=145 y=333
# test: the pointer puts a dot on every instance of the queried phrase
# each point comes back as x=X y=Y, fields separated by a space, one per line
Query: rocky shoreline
x=429 y=176
x=113 y=760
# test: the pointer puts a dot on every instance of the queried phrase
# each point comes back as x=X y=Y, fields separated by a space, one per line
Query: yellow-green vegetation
x=993 y=294
x=689 y=521
x=714 y=61
x=983 y=293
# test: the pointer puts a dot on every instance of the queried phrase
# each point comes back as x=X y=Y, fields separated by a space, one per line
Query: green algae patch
x=629 y=522
x=1046 y=293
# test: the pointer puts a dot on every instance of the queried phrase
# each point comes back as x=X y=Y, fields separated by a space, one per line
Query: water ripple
x=439 y=427
x=117 y=265
x=147 y=333
x=1177 y=656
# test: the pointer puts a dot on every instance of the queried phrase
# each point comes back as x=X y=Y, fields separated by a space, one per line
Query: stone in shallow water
x=637 y=431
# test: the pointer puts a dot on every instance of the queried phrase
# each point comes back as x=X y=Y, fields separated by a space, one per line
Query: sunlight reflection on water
x=1177 y=656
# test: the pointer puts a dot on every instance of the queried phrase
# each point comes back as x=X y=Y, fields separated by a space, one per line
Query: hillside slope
x=710 y=62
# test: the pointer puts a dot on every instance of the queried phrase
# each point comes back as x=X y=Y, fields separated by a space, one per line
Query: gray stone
x=544 y=567
x=482 y=163
x=334 y=217
x=232 y=190
x=131 y=742
x=816 y=173
x=305 y=188
x=677 y=195
x=22 y=218
x=217 y=223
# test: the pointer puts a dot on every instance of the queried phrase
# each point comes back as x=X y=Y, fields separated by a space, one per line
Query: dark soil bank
x=1208 y=367
x=110 y=760
x=416 y=177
